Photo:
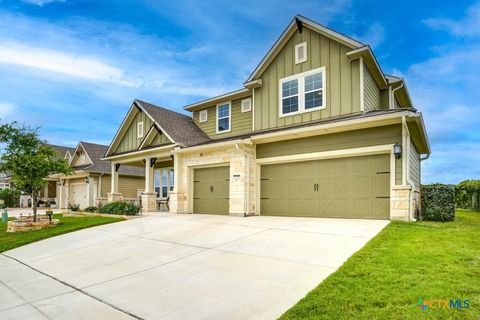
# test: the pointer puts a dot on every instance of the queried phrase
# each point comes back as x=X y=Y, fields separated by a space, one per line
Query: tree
x=29 y=160
x=469 y=194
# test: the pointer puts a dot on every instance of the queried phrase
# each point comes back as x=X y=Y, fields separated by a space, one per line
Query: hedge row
x=120 y=207
x=11 y=197
x=438 y=202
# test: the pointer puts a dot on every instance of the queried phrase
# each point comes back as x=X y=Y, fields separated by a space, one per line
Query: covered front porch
x=159 y=179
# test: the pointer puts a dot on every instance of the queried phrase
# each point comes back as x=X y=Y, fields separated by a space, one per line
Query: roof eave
x=366 y=53
x=237 y=94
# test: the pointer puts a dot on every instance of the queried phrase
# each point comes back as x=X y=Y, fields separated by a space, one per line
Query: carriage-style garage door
x=211 y=190
x=356 y=187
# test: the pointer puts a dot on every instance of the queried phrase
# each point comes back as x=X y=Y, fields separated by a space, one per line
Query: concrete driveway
x=178 y=267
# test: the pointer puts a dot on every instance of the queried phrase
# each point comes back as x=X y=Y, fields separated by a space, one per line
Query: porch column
x=149 y=198
x=114 y=195
x=178 y=199
x=60 y=195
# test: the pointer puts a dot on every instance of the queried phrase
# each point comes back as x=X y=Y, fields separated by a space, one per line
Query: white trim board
x=343 y=153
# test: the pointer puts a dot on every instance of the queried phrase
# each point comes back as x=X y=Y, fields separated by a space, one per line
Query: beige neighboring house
x=4 y=181
x=90 y=183
x=317 y=130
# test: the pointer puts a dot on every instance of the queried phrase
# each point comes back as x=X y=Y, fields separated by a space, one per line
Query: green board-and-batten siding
x=414 y=163
x=160 y=138
x=336 y=141
x=372 y=96
x=342 y=81
x=241 y=122
x=130 y=141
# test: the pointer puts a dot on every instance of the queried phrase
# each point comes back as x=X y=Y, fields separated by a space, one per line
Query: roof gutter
x=393 y=95
x=139 y=152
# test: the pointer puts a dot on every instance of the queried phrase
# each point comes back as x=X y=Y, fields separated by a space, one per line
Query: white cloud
x=41 y=3
x=6 y=110
x=373 y=36
x=468 y=26
x=58 y=61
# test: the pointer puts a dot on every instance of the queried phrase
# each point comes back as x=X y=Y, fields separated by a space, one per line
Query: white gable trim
x=290 y=30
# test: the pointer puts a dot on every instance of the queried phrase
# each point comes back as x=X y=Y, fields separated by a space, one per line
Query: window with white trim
x=247 y=105
x=301 y=53
x=140 y=130
x=302 y=92
x=223 y=118
x=203 y=116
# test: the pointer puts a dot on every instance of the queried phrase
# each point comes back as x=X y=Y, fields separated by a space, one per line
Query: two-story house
x=317 y=130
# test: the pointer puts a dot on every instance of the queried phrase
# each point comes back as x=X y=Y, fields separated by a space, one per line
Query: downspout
x=392 y=98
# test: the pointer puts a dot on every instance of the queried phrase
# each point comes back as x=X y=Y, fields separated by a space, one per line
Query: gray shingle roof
x=95 y=152
x=62 y=150
x=179 y=127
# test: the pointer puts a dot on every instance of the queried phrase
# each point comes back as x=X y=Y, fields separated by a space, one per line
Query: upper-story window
x=301 y=53
x=203 y=116
x=140 y=130
x=302 y=92
x=223 y=118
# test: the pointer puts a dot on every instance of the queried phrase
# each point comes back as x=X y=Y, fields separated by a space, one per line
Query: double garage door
x=356 y=187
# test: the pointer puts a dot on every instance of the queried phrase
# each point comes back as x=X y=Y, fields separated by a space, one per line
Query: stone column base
x=400 y=203
x=149 y=202
x=178 y=202
x=111 y=197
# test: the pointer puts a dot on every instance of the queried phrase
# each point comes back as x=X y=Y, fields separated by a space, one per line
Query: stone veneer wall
x=401 y=203
x=240 y=157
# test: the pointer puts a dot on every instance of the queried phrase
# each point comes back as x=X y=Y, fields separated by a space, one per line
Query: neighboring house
x=317 y=130
x=4 y=181
x=90 y=183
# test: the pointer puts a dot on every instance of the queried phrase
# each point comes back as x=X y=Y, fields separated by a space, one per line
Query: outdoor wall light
x=397 y=151
x=87 y=180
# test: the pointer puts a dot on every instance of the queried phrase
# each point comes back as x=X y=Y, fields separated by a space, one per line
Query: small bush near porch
x=67 y=224
x=405 y=265
x=120 y=207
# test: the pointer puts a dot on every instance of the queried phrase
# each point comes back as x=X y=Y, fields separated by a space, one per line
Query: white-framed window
x=203 y=116
x=140 y=130
x=301 y=53
x=164 y=182
x=303 y=92
x=223 y=117
x=247 y=105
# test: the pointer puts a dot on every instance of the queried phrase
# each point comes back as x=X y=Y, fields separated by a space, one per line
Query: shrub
x=91 y=209
x=438 y=202
x=11 y=197
x=120 y=207
x=73 y=206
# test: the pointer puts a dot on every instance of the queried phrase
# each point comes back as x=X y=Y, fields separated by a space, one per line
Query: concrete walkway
x=178 y=267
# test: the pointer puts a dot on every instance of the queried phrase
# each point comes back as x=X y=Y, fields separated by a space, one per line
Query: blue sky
x=74 y=67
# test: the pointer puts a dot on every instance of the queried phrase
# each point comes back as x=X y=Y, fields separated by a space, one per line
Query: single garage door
x=211 y=190
x=356 y=187
x=78 y=194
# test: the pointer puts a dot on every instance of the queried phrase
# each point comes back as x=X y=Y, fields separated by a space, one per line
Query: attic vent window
x=301 y=53
x=140 y=130
x=247 y=105
x=203 y=116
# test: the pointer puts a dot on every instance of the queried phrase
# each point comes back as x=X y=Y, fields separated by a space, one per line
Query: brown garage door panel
x=355 y=187
x=211 y=190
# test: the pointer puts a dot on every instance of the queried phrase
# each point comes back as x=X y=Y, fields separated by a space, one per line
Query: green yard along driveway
x=405 y=262
x=354 y=187
x=211 y=190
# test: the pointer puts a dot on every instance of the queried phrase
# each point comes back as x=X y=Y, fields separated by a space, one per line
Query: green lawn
x=405 y=262
x=67 y=224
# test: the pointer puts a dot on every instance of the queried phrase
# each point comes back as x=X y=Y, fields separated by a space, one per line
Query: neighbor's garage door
x=356 y=187
x=211 y=190
x=78 y=194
